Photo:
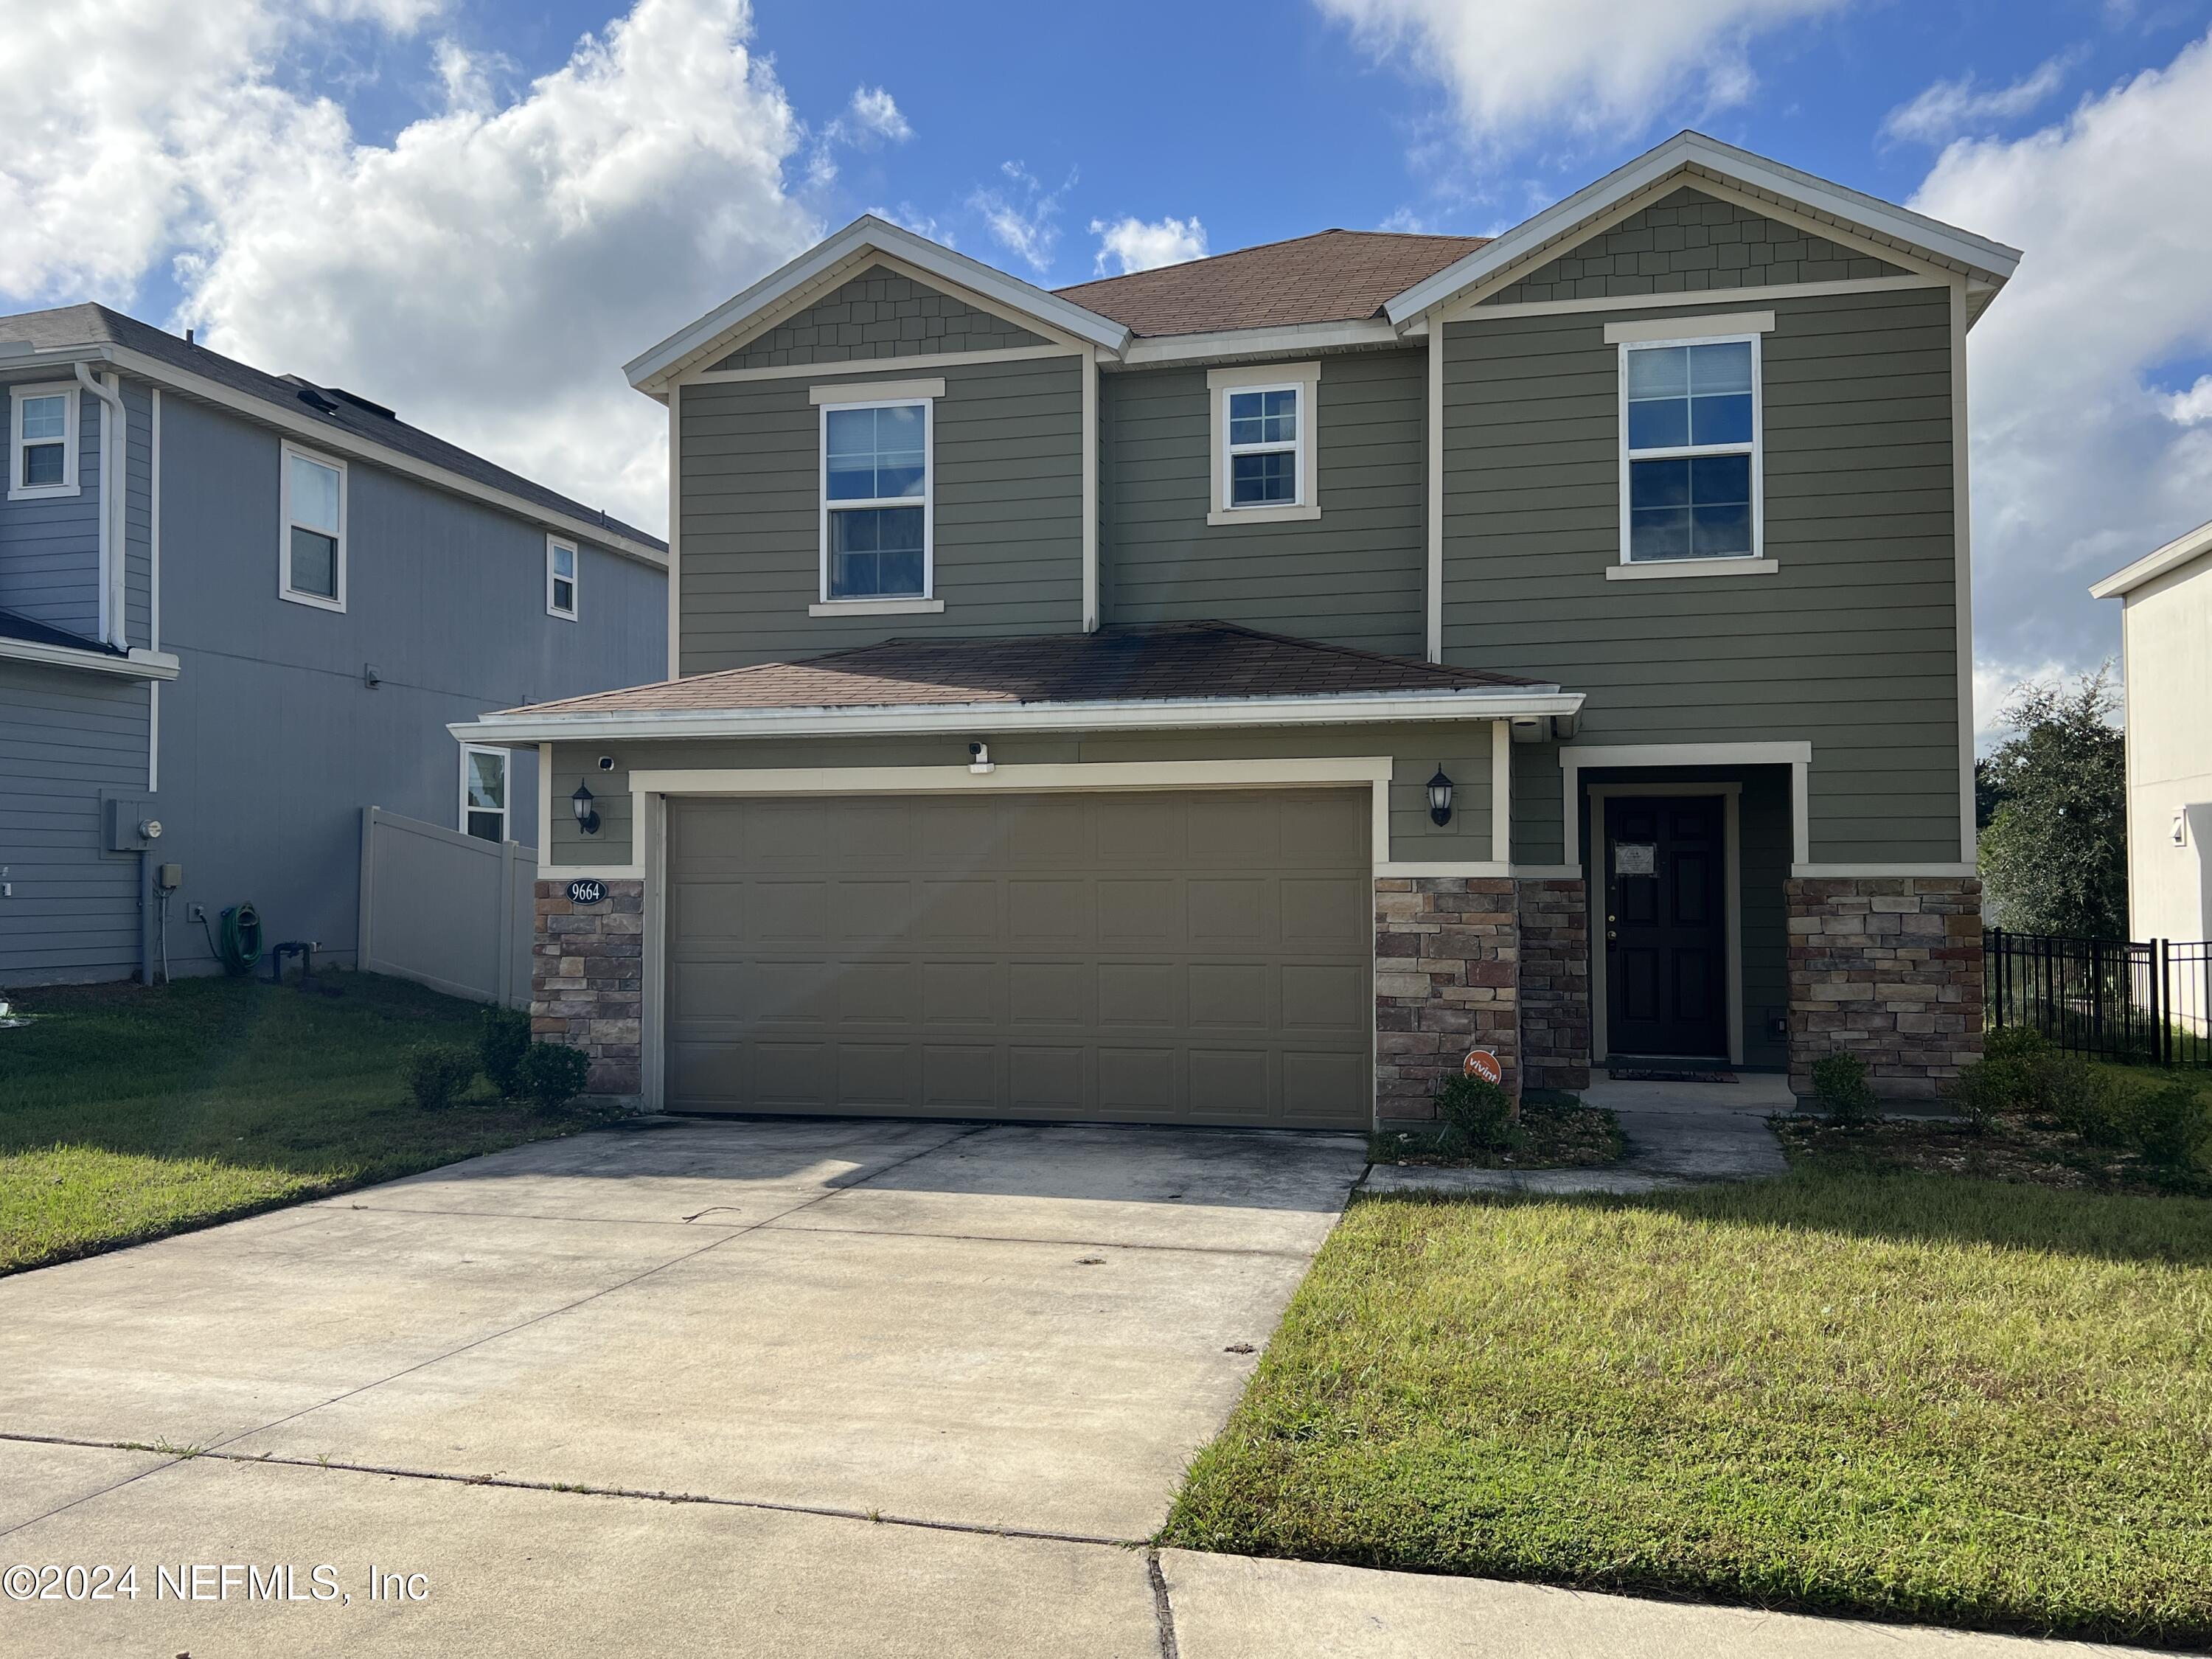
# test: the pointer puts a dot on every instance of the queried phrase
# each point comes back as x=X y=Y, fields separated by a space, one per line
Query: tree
x=2054 y=856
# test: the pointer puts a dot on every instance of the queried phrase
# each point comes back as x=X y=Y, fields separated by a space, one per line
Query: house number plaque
x=586 y=892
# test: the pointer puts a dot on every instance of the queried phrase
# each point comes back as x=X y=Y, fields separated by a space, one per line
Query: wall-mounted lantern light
x=1440 y=788
x=586 y=819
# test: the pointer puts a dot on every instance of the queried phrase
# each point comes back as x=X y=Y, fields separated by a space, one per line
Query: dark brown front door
x=1666 y=939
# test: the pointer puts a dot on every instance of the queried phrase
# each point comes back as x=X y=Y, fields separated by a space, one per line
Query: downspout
x=113 y=562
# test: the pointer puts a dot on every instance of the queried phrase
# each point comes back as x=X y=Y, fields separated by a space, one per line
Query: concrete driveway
x=923 y=1383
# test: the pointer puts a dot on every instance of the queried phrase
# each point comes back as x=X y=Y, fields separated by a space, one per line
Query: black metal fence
x=2145 y=1001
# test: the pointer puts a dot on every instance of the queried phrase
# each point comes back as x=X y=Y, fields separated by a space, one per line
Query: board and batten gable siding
x=1354 y=576
x=1006 y=500
x=50 y=547
x=1688 y=241
x=1852 y=644
x=1462 y=749
x=880 y=314
x=66 y=737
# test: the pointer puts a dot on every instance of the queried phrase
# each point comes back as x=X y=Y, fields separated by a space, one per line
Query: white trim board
x=1962 y=564
x=1673 y=331
x=877 y=365
x=139 y=665
x=1221 y=384
x=1433 y=583
x=1683 y=299
x=1732 y=926
x=1693 y=156
x=979 y=719
x=1878 y=870
x=1577 y=758
x=2183 y=548
x=865 y=235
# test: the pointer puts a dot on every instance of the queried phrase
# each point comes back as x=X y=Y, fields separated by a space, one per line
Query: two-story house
x=235 y=609
x=1230 y=693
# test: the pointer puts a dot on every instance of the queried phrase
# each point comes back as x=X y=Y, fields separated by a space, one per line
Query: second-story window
x=44 y=448
x=876 y=500
x=312 y=557
x=1263 y=446
x=560 y=578
x=1689 y=456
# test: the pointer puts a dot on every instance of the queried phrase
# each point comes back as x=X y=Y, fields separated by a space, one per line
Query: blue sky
x=476 y=210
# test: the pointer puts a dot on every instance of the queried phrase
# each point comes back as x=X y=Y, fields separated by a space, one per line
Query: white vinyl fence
x=446 y=909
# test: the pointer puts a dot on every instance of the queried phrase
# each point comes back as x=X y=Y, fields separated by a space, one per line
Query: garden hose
x=239 y=947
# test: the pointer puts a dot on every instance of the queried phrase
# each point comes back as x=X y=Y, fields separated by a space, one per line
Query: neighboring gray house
x=244 y=608
x=1228 y=693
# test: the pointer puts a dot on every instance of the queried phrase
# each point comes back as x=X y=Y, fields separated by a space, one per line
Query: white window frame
x=506 y=788
x=553 y=544
x=1304 y=380
x=860 y=604
x=1756 y=449
x=71 y=483
x=284 y=589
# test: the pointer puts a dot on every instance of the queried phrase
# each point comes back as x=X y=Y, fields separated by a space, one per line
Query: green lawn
x=126 y=1114
x=1900 y=1396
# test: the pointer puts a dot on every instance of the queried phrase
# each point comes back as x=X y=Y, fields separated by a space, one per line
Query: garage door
x=1195 y=957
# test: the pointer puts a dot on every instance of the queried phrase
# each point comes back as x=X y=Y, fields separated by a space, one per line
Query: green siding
x=1463 y=749
x=880 y=314
x=1851 y=646
x=1008 y=514
x=1686 y=242
x=1351 y=577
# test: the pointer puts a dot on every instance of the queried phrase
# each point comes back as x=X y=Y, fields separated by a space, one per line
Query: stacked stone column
x=1447 y=966
x=587 y=979
x=1555 y=984
x=1888 y=968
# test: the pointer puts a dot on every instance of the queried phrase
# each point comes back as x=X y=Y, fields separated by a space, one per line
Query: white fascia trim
x=1991 y=259
x=1156 y=714
x=2176 y=553
x=870 y=232
x=876 y=391
x=1683 y=300
x=1240 y=342
x=337 y=438
x=1841 y=870
x=139 y=665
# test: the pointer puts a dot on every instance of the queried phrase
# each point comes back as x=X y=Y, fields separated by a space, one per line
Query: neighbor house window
x=876 y=500
x=312 y=556
x=1263 y=442
x=483 y=793
x=560 y=578
x=1690 y=460
x=44 y=441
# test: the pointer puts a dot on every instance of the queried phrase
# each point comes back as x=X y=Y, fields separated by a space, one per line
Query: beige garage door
x=1193 y=958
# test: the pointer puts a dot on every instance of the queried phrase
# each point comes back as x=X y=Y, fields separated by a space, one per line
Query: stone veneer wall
x=587 y=979
x=1447 y=967
x=1555 y=984
x=1888 y=968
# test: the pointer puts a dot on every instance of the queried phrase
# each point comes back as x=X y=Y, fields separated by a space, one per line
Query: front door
x=1666 y=921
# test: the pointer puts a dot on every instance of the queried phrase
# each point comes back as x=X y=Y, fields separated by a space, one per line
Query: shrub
x=2086 y=1098
x=1476 y=1114
x=2015 y=1042
x=2013 y=1075
x=1840 y=1087
x=2169 y=1127
x=501 y=1044
x=551 y=1074
x=437 y=1072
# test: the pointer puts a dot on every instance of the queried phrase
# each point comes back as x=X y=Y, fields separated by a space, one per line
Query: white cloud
x=1133 y=245
x=1595 y=65
x=2190 y=408
x=1021 y=219
x=2080 y=463
x=873 y=109
x=486 y=273
x=1948 y=108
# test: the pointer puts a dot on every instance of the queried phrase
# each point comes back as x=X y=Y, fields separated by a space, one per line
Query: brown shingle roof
x=1172 y=661
x=1335 y=276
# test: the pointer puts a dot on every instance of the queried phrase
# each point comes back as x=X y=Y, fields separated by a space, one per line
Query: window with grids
x=1692 y=450
x=560 y=580
x=876 y=500
x=45 y=442
x=483 y=793
x=1263 y=446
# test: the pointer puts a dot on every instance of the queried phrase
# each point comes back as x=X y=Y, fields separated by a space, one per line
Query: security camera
x=606 y=763
x=979 y=758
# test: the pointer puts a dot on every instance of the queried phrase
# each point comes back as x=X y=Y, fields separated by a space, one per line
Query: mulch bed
x=2017 y=1147
x=1559 y=1134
